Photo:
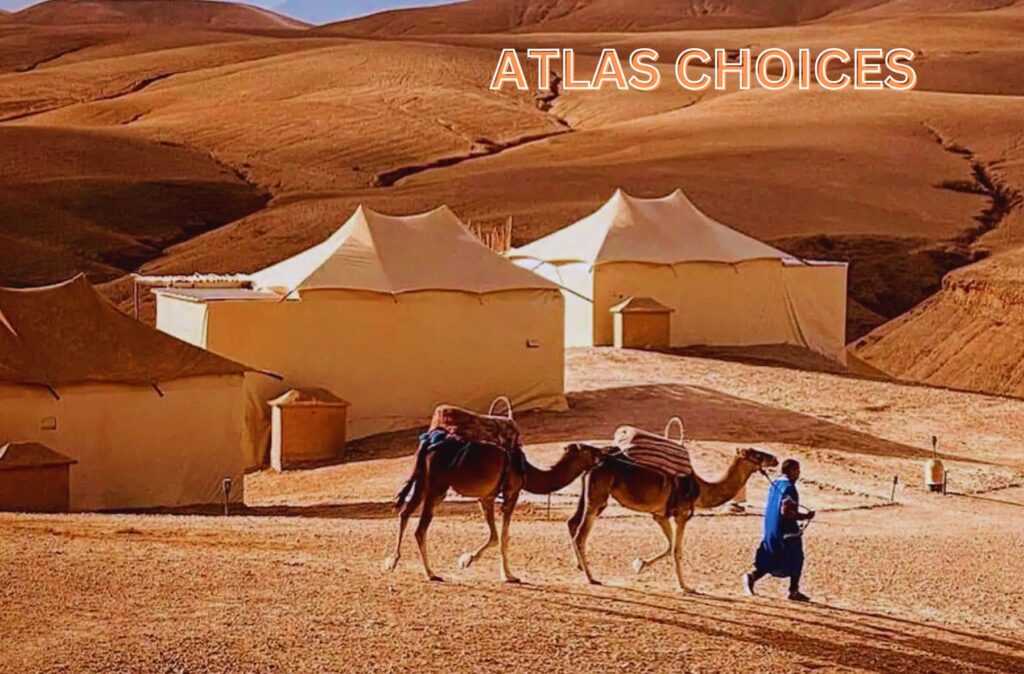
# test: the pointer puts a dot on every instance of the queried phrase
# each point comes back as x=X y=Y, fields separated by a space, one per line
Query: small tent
x=725 y=288
x=150 y=420
x=395 y=314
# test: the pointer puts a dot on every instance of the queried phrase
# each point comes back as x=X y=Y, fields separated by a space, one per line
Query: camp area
x=724 y=288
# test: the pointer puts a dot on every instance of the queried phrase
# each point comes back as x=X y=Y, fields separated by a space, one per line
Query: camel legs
x=677 y=551
x=408 y=509
x=574 y=524
x=426 y=516
x=508 y=506
x=580 y=541
x=487 y=508
x=640 y=563
x=597 y=489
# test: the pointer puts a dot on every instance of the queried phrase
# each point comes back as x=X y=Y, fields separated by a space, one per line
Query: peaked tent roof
x=398 y=254
x=665 y=230
x=70 y=334
x=15 y=455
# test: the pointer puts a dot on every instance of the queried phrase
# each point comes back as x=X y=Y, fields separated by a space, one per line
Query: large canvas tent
x=393 y=314
x=150 y=420
x=725 y=288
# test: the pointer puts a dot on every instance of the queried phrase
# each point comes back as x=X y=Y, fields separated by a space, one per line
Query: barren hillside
x=57 y=218
x=615 y=16
x=176 y=15
x=968 y=336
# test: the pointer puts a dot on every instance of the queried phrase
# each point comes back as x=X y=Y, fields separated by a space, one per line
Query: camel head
x=589 y=456
x=762 y=460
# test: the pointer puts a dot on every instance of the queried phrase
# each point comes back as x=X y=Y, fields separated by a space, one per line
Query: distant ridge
x=178 y=14
x=498 y=16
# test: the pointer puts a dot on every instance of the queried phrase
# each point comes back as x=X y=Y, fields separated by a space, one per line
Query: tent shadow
x=709 y=415
x=859 y=640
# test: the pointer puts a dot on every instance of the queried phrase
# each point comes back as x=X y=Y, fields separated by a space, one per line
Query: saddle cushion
x=469 y=426
x=653 y=451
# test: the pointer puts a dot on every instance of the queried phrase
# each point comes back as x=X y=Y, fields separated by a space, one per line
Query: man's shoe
x=748 y=585
x=799 y=596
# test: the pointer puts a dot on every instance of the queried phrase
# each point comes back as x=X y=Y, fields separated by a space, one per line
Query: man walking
x=781 y=552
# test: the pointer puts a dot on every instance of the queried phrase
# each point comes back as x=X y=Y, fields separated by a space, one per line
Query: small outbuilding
x=34 y=478
x=307 y=426
x=642 y=323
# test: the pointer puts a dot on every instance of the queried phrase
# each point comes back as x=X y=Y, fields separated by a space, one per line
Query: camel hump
x=470 y=426
x=653 y=450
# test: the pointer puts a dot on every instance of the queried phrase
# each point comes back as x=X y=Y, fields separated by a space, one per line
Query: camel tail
x=417 y=471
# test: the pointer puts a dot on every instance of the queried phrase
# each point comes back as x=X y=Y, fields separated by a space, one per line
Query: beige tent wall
x=395 y=357
x=817 y=294
x=744 y=304
x=188 y=319
x=578 y=283
x=134 y=448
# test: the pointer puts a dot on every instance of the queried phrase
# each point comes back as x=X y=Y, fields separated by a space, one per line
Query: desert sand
x=925 y=584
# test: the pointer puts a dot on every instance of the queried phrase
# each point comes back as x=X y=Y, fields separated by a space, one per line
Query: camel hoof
x=465 y=560
x=389 y=563
x=511 y=580
x=594 y=581
x=686 y=589
x=638 y=565
x=436 y=579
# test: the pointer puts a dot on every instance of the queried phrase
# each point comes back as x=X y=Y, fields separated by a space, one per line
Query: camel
x=649 y=491
x=481 y=471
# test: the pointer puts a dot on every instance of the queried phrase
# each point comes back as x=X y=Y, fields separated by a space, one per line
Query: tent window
x=48 y=424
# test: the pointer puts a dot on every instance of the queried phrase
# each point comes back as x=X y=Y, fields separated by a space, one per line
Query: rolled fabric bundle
x=654 y=451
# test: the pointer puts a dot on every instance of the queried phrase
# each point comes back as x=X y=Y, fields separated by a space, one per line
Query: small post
x=548 y=516
x=945 y=481
x=892 y=496
x=135 y=295
x=226 y=486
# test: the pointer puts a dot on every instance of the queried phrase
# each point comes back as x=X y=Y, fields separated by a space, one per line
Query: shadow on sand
x=843 y=637
x=709 y=415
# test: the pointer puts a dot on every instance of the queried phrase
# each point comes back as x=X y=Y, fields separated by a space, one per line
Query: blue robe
x=781 y=552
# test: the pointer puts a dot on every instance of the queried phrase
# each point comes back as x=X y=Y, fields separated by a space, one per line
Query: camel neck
x=714 y=494
x=546 y=481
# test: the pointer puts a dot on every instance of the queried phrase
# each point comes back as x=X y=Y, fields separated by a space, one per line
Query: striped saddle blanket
x=469 y=426
x=653 y=451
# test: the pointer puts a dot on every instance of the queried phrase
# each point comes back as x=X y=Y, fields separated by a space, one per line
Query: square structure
x=34 y=478
x=307 y=426
x=642 y=323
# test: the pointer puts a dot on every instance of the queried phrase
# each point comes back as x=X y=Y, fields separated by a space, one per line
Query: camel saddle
x=654 y=451
x=469 y=426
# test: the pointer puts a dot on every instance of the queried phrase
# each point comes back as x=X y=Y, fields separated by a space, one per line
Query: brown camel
x=483 y=472
x=649 y=491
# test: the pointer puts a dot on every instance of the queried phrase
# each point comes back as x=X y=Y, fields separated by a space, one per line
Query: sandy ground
x=927 y=584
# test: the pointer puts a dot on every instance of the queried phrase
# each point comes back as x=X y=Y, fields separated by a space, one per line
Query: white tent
x=395 y=315
x=726 y=288
x=150 y=420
